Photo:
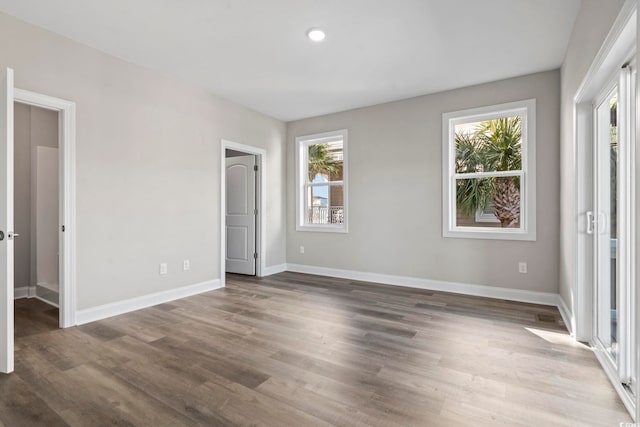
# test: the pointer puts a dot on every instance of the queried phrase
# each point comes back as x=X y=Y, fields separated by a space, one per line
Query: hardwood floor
x=300 y=350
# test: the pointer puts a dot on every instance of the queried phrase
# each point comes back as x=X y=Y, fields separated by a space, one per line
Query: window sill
x=323 y=228
x=490 y=233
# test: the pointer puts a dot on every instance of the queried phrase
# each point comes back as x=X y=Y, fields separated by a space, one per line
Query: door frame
x=617 y=48
x=261 y=191
x=67 y=198
x=620 y=83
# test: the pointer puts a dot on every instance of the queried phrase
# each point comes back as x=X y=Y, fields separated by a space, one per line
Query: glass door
x=606 y=224
x=611 y=225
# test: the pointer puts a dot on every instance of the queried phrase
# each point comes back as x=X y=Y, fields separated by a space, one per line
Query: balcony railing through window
x=325 y=215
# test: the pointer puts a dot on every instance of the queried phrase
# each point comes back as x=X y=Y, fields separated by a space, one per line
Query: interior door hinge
x=255 y=255
x=255 y=168
x=62 y=228
x=255 y=211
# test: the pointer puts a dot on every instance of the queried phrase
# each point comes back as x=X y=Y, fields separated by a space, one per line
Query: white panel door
x=6 y=221
x=241 y=215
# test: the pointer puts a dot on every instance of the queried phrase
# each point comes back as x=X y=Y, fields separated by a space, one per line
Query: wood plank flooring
x=300 y=350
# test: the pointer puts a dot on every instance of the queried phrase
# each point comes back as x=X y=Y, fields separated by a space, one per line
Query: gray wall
x=395 y=187
x=32 y=127
x=148 y=165
x=592 y=26
x=148 y=170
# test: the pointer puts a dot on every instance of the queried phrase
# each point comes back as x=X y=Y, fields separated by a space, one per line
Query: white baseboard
x=21 y=292
x=274 y=269
x=567 y=316
x=120 y=307
x=30 y=292
x=50 y=286
x=46 y=301
x=544 y=298
x=24 y=292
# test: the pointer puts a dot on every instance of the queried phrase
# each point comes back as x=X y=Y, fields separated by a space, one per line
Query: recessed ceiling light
x=316 y=34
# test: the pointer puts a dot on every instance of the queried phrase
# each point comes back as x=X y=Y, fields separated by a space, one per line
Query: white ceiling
x=255 y=52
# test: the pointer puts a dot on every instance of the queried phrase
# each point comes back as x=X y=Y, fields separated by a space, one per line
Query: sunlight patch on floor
x=555 y=337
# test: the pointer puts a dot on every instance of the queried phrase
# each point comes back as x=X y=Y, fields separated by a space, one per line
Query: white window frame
x=301 y=180
x=527 y=231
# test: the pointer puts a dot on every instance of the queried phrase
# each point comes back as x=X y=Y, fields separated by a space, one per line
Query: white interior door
x=6 y=221
x=240 y=215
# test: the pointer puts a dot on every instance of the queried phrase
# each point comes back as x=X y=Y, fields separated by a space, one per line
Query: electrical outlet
x=186 y=265
x=163 y=268
x=522 y=267
x=301 y=249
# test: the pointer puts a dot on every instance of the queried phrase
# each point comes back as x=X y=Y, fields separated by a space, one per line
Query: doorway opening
x=36 y=204
x=66 y=203
x=242 y=192
x=60 y=259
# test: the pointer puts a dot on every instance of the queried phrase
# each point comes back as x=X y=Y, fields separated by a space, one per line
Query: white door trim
x=67 y=203
x=261 y=154
x=618 y=47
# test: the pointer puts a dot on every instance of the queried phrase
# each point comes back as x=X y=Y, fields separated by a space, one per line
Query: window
x=489 y=172
x=321 y=162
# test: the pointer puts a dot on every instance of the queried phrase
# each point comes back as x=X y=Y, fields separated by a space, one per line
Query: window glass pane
x=324 y=204
x=613 y=215
x=497 y=196
x=489 y=145
x=487 y=214
x=325 y=161
x=336 y=204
